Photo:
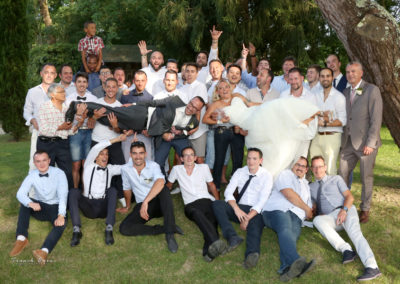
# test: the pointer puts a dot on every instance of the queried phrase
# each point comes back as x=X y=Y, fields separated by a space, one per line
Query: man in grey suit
x=361 y=137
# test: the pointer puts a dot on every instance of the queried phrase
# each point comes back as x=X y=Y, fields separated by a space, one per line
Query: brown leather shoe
x=364 y=217
x=40 y=256
x=18 y=247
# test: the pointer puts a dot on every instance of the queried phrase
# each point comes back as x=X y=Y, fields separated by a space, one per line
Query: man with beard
x=249 y=79
x=330 y=126
x=313 y=84
x=155 y=71
x=263 y=92
x=298 y=91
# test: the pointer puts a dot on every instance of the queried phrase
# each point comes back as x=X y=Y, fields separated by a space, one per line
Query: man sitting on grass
x=51 y=191
x=254 y=185
x=196 y=184
x=335 y=210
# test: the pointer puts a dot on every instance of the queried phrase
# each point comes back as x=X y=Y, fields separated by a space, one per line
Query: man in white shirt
x=98 y=199
x=339 y=81
x=102 y=132
x=159 y=86
x=203 y=59
x=66 y=76
x=298 y=91
x=34 y=98
x=281 y=83
x=234 y=75
x=196 y=184
x=312 y=75
x=254 y=185
x=288 y=206
x=194 y=88
x=155 y=71
x=145 y=179
x=51 y=191
x=248 y=78
x=263 y=92
x=80 y=142
x=330 y=126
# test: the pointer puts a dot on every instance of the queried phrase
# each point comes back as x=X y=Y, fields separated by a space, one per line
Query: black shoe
x=70 y=113
x=348 y=256
x=178 y=230
x=109 y=238
x=251 y=260
x=234 y=242
x=308 y=267
x=217 y=248
x=369 y=274
x=295 y=270
x=76 y=236
x=171 y=242
x=207 y=258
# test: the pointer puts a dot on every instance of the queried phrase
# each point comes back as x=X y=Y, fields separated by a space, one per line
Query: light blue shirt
x=34 y=99
x=50 y=190
x=249 y=79
x=279 y=83
x=140 y=184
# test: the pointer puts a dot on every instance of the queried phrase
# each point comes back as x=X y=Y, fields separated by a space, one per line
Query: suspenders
x=90 y=184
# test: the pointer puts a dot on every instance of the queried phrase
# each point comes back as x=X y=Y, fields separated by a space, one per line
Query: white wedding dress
x=275 y=128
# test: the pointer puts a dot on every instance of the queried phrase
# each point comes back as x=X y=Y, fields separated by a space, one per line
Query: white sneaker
x=176 y=191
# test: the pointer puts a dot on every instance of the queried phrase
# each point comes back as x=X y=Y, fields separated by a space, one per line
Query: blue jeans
x=210 y=151
x=288 y=227
x=224 y=214
x=161 y=153
x=79 y=144
x=221 y=141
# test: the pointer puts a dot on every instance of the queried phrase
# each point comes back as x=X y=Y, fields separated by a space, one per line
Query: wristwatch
x=345 y=208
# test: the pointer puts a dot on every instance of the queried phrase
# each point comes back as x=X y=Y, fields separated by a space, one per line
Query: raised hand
x=215 y=34
x=143 y=48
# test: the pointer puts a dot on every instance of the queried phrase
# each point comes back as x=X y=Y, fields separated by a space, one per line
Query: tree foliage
x=13 y=63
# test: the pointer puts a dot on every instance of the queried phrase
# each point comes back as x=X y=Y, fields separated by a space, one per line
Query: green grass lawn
x=147 y=260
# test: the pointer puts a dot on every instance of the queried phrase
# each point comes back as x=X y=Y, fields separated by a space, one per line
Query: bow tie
x=81 y=98
x=100 y=168
x=44 y=175
x=138 y=94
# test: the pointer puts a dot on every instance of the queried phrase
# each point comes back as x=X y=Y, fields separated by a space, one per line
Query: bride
x=277 y=128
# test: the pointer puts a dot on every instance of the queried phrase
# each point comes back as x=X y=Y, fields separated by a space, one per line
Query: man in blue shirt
x=51 y=191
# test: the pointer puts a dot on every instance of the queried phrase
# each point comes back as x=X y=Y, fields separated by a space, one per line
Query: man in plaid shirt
x=91 y=44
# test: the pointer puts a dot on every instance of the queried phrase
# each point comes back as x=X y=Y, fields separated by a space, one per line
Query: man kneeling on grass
x=51 y=190
x=335 y=210
x=145 y=180
x=254 y=185
x=99 y=198
x=195 y=182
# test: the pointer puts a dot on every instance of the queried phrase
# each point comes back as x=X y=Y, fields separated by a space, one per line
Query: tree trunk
x=371 y=35
x=44 y=11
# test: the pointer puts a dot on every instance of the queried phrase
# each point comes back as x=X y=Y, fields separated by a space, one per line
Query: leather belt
x=221 y=129
x=327 y=133
x=49 y=139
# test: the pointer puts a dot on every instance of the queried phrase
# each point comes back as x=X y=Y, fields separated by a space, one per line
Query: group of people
x=111 y=143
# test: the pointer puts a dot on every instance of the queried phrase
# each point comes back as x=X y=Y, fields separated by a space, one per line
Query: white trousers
x=34 y=138
x=327 y=146
x=326 y=225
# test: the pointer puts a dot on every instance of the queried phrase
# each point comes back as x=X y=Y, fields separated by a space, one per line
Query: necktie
x=352 y=96
x=244 y=188
x=334 y=83
x=100 y=168
x=81 y=98
x=44 y=175
x=138 y=94
x=319 y=193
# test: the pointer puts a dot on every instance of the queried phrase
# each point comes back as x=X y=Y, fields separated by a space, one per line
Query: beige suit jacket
x=364 y=117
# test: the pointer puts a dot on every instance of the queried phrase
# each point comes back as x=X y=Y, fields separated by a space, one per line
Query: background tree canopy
x=180 y=28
